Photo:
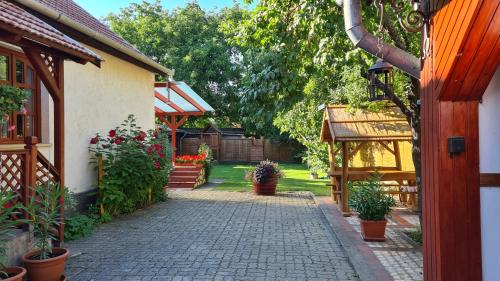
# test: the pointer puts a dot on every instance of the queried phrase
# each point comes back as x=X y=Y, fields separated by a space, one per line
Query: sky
x=101 y=8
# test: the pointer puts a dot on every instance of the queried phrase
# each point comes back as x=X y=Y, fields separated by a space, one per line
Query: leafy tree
x=190 y=41
x=290 y=45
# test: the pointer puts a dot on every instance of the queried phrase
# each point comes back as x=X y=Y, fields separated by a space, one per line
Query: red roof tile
x=79 y=15
x=17 y=20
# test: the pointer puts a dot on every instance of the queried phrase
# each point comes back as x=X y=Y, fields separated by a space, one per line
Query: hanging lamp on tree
x=380 y=81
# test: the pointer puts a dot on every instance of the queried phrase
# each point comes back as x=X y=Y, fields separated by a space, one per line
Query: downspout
x=363 y=39
x=59 y=17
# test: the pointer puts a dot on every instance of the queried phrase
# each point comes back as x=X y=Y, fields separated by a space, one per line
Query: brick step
x=181 y=178
x=187 y=168
x=184 y=173
x=181 y=184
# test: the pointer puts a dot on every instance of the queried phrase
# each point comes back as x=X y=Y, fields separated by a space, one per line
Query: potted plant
x=372 y=205
x=46 y=263
x=12 y=98
x=264 y=177
x=9 y=208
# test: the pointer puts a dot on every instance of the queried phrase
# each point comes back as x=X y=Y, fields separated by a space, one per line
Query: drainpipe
x=368 y=42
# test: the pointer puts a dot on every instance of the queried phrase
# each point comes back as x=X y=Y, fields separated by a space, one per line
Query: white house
x=96 y=99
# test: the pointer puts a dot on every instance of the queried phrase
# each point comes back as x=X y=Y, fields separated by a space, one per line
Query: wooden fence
x=244 y=149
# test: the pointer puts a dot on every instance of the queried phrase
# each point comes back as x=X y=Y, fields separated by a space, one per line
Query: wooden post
x=149 y=196
x=30 y=170
x=333 y=182
x=345 y=173
x=174 y=141
x=59 y=141
x=100 y=175
x=397 y=155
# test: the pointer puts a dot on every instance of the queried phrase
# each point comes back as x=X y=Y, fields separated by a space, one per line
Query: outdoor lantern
x=380 y=80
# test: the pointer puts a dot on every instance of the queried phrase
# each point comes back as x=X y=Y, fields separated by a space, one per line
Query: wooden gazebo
x=368 y=144
x=175 y=101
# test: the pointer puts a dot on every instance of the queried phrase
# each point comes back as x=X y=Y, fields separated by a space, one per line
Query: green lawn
x=296 y=178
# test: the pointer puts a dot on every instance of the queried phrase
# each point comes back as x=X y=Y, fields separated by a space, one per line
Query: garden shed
x=364 y=145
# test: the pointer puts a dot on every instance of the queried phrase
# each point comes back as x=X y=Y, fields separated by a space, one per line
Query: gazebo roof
x=342 y=125
x=177 y=98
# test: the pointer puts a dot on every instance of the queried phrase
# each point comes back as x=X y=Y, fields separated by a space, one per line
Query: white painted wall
x=97 y=100
x=489 y=152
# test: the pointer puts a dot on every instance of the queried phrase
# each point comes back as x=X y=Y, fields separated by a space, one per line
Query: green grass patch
x=296 y=178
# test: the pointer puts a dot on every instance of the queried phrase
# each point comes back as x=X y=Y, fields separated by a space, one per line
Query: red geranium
x=112 y=133
x=94 y=140
x=191 y=158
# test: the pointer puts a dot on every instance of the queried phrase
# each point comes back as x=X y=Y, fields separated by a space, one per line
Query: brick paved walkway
x=215 y=235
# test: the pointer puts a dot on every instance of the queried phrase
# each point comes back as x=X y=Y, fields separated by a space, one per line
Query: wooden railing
x=14 y=174
x=22 y=169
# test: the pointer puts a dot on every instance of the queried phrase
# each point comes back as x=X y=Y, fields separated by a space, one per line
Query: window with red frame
x=16 y=70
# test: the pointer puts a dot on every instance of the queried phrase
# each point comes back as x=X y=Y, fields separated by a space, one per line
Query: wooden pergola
x=46 y=48
x=368 y=144
x=174 y=102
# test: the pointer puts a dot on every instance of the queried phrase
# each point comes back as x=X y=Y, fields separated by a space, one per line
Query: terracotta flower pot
x=267 y=188
x=46 y=270
x=15 y=273
x=373 y=230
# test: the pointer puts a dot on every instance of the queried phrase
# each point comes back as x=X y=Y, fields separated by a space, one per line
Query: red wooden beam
x=186 y=97
x=168 y=102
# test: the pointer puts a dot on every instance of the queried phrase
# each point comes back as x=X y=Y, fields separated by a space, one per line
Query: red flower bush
x=195 y=159
x=135 y=163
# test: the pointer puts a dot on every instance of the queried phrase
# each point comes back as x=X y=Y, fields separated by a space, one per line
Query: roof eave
x=61 y=18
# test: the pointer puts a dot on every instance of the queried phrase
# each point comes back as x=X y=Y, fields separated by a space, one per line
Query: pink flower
x=112 y=133
x=11 y=128
x=94 y=140
x=24 y=111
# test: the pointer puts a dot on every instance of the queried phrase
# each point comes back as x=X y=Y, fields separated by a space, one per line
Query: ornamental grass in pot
x=46 y=263
x=9 y=209
x=372 y=205
x=264 y=177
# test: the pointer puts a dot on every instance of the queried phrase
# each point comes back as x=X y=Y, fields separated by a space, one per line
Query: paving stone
x=215 y=235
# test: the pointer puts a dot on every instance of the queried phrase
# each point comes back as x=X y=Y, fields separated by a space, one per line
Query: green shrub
x=208 y=162
x=135 y=165
x=415 y=235
x=369 y=200
x=78 y=226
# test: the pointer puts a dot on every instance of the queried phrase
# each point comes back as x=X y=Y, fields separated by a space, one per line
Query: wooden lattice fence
x=22 y=169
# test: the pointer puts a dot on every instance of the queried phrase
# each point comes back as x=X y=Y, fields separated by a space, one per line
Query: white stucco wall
x=489 y=152
x=97 y=100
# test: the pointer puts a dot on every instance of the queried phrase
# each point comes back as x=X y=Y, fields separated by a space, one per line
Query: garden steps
x=184 y=177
